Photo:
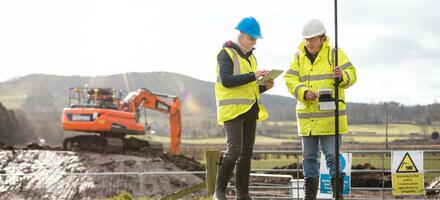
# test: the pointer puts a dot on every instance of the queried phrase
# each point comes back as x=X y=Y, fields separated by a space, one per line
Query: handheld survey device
x=326 y=101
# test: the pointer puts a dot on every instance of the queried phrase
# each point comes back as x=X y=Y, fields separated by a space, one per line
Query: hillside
x=197 y=96
x=49 y=92
x=42 y=98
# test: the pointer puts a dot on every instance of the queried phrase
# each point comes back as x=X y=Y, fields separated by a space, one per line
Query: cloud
x=391 y=50
x=390 y=32
x=383 y=39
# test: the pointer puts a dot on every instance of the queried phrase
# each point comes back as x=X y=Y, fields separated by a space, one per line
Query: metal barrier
x=384 y=192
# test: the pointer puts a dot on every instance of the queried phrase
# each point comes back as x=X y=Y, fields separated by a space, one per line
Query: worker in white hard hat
x=310 y=79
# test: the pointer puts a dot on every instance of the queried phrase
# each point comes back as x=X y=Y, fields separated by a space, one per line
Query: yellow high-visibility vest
x=234 y=101
x=303 y=75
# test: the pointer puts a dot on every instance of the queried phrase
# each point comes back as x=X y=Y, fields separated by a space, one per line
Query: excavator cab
x=94 y=98
x=102 y=97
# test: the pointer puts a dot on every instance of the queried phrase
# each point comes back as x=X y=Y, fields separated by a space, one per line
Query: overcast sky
x=393 y=44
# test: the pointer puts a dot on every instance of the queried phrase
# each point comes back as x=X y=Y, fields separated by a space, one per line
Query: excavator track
x=109 y=144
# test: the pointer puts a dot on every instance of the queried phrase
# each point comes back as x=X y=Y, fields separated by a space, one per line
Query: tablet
x=273 y=74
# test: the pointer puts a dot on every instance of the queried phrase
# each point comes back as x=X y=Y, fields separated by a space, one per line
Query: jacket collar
x=231 y=44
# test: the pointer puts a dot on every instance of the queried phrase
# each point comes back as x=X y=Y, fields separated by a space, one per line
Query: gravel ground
x=41 y=174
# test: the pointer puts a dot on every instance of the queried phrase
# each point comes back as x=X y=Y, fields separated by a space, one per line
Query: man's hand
x=269 y=84
x=260 y=73
x=337 y=73
x=310 y=95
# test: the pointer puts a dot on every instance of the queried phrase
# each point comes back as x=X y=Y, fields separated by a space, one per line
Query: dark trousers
x=240 y=136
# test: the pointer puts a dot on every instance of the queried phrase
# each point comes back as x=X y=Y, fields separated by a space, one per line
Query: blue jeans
x=311 y=154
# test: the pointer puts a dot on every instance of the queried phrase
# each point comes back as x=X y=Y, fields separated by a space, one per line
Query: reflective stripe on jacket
x=303 y=75
x=234 y=101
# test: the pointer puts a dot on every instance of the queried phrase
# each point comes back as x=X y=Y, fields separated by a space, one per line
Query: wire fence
x=157 y=185
x=295 y=187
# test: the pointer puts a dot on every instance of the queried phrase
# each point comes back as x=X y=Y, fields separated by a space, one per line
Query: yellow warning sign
x=407 y=165
x=408 y=184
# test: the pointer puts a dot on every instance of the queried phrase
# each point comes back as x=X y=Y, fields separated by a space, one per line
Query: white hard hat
x=313 y=28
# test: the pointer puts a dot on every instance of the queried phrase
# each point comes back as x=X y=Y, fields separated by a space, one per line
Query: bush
x=123 y=196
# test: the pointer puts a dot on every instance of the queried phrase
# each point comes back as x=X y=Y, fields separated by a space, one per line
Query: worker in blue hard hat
x=239 y=106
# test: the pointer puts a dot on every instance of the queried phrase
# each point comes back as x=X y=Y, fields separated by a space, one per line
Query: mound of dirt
x=52 y=174
x=361 y=179
x=14 y=127
x=369 y=179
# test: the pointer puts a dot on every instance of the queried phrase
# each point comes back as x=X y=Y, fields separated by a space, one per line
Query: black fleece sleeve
x=226 y=71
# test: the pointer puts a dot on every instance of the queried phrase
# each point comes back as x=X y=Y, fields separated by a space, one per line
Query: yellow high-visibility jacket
x=303 y=75
x=232 y=102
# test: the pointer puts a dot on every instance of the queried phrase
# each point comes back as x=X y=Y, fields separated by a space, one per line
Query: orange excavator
x=101 y=111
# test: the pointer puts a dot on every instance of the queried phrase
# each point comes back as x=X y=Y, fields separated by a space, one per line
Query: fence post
x=211 y=158
x=141 y=184
x=383 y=175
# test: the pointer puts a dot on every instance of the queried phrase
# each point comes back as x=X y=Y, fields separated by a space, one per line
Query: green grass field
x=376 y=132
x=380 y=128
x=214 y=140
x=395 y=131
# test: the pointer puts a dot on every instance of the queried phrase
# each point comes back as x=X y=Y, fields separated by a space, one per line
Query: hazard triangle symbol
x=407 y=165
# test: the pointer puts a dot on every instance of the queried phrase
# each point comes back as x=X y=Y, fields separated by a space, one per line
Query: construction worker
x=238 y=106
x=311 y=72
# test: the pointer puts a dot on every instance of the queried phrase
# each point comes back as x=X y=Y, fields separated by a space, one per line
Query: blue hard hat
x=250 y=26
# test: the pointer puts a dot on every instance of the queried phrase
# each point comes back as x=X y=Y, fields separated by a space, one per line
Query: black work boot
x=338 y=192
x=311 y=188
x=242 y=170
x=225 y=168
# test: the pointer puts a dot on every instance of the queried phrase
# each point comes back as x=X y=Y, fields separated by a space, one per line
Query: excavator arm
x=175 y=126
x=134 y=101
